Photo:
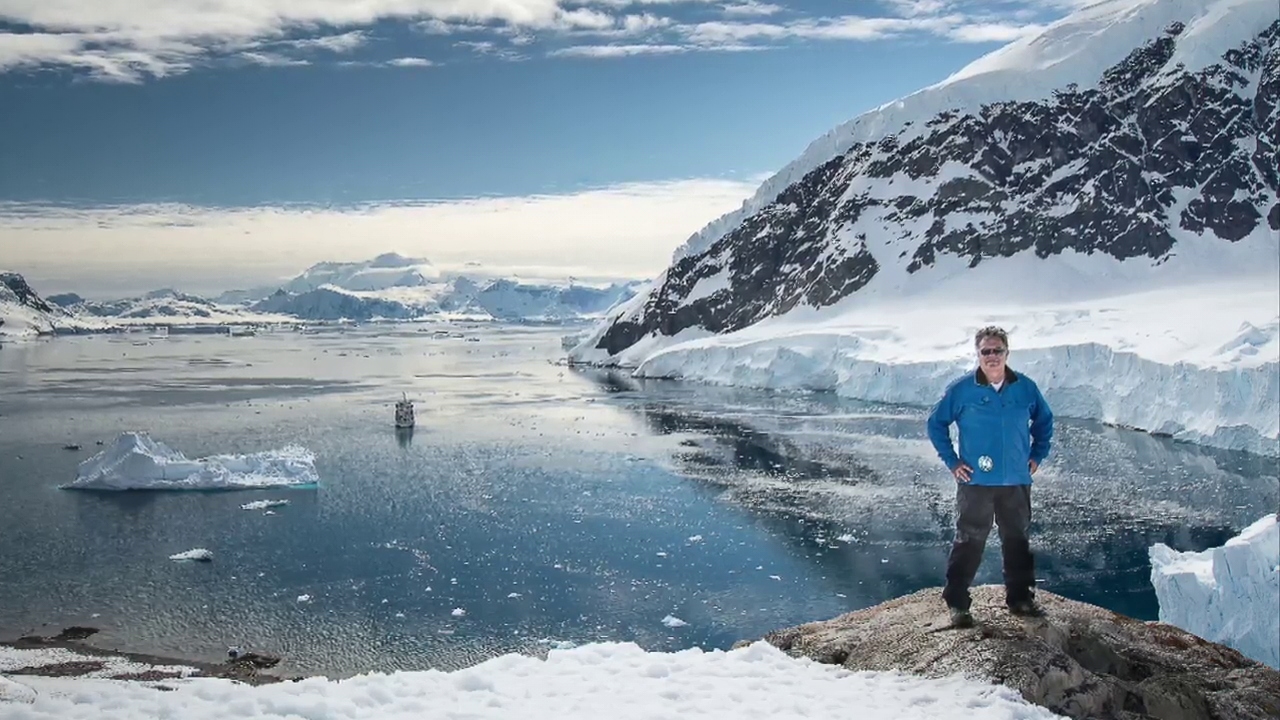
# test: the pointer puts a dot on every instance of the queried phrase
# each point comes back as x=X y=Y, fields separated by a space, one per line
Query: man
x=1005 y=426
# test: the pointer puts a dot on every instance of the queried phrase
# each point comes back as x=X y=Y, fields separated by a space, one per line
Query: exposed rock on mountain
x=1168 y=153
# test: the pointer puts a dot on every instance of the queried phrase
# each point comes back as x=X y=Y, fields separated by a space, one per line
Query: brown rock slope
x=1078 y=660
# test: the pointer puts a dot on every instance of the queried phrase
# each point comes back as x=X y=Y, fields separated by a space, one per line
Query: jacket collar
x=1010 y=376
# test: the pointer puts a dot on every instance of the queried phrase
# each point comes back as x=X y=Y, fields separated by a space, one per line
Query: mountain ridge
x=1155 y=162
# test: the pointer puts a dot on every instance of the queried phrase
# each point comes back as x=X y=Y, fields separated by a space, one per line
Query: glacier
x=1228 y=594
x=1197 y=363
x=135 y=461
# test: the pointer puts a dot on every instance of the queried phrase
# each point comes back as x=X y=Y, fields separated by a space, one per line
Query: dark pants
x=976 y=507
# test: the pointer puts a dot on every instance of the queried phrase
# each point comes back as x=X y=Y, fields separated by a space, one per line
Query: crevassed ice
x=1226 y=594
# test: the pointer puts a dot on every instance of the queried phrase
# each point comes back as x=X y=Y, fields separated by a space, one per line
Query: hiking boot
x=1027 y=608
x=961 y=618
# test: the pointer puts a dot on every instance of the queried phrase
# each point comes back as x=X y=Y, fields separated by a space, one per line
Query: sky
x=210 y=144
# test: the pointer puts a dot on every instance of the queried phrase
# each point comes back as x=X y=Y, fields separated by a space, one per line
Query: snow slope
x=1075 y=49
x=1227 y=594
x=614 y=680
x=134 y=461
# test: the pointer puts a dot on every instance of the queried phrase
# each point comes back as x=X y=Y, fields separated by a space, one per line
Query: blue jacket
x=1000 y=431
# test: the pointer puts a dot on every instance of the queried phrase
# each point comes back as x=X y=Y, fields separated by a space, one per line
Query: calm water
x=549 y=504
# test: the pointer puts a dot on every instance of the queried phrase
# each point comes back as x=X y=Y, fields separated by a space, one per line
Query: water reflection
x=815 y=467
x=404 y=437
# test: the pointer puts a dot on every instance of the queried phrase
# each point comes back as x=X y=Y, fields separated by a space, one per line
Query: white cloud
x=272 y=59
x=129 y=40
x=344 y=43
x=410 y=62
x=751 y=8
x=626 y=230
x=607 y=51
x=850 y=27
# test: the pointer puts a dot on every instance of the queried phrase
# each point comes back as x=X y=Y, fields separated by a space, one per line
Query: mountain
x=394 y=287
x=384 y=271
x=502 y=299
x=335 y=303
x=1128 y=148
x=1068 y=144
x=158 y=306
x=23 y=312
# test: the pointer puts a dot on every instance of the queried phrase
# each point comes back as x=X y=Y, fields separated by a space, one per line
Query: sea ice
x=137 y=462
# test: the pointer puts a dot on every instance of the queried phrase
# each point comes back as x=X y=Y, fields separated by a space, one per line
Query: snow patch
x=198 y=555
x=1226 y=594
x=615 y=680
x=134 y=461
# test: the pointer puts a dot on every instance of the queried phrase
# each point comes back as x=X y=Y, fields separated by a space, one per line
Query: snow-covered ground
x=1199 y=362
x=134 y=461
x=1227 y=594
x=614 y=680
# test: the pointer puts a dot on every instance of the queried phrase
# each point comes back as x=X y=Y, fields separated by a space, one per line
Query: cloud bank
x=133 y=40
x=621 y=231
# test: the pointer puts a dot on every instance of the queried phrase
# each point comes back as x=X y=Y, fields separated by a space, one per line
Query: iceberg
x=137 y=462
x=1226 y=594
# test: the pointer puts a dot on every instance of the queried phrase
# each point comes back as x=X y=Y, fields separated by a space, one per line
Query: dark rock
x=74 y=668
x=1078 y=660
x=260 y=661
x=76 y=632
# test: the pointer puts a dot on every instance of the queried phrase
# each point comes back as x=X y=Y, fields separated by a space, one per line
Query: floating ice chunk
x=198 y=555
x=672 y=621
x=459 y=612
x=263 y=504
x=1226 y=594
x=137 y=462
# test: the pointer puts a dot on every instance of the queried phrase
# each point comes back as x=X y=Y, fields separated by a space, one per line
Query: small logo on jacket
x=985 y=463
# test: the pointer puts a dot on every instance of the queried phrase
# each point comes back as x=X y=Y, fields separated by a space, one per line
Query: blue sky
x=211 y=109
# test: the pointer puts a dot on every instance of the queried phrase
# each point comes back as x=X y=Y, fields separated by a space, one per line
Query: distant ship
x=404 y=413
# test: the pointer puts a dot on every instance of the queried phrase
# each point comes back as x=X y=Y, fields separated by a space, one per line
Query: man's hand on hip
x=1033 y=466
x=962 y=472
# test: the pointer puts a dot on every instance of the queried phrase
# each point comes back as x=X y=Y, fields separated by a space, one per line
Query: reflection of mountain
x=808 y=474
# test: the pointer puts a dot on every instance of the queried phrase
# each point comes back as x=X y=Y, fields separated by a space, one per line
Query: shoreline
x=249 y=668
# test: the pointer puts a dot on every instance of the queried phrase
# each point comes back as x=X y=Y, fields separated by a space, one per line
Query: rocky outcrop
x=21 y=293
x=1078 y=660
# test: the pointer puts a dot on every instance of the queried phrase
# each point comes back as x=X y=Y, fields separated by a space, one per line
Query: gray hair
x=991 y=331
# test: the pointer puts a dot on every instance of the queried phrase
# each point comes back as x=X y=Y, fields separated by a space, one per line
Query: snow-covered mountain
x=1128 y=148
x=166 y=306
x=394 y=287
x=163 y=303
x=384 y=271
x=24 y=313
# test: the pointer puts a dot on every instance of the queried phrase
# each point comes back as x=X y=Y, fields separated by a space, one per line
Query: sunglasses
x=993 y=351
